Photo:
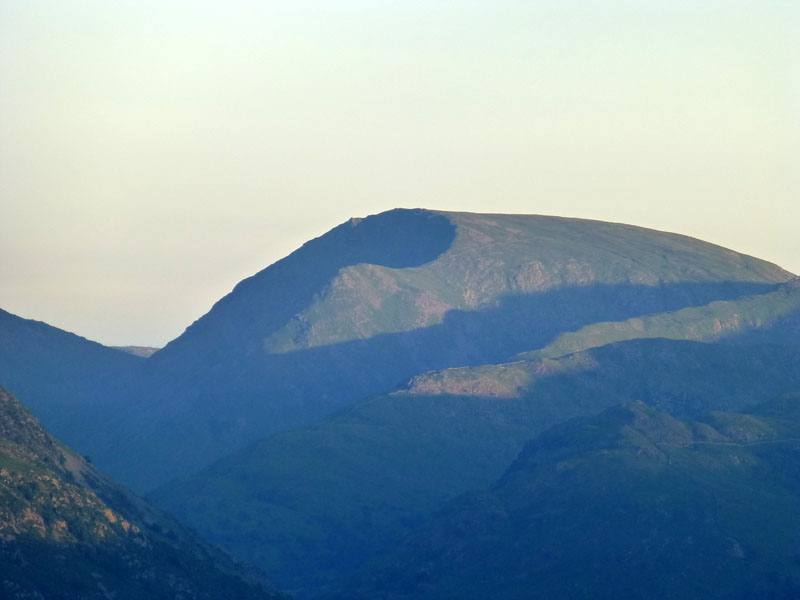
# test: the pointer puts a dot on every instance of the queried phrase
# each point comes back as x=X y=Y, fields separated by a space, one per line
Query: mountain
x=310 y=505
x=334 y=401
x=379 y=300
x=69 y=532
x=629 y=504
x=68 y=381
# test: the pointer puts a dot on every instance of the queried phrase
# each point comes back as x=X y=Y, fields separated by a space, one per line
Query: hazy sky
x=152 y=154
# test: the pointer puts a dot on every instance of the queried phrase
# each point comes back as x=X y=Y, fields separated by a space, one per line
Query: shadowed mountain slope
x=381 y=299
x=69 y=532
x=309 y=505
x=773 y=317
x=629 y=504
x=66 y=379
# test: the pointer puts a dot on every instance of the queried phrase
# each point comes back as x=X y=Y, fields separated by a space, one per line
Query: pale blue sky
x=152 y=154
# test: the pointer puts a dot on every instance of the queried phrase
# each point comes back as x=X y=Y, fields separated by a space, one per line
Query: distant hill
x=378 y=300
x=69 y=532
x=629 y=504
x=70 y=383
x=143 y=351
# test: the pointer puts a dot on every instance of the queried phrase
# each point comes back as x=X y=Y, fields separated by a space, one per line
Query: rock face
x=379 y=300
x=68 y=532
x=629 y=504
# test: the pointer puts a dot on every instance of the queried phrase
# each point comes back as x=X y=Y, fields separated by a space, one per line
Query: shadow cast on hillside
x=400 y=238
x=432 y=447
x=215 y=408
x=297 y=387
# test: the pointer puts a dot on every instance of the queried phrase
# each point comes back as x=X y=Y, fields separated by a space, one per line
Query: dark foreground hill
x=378 y=300
x=68 y=532
x=630 y=504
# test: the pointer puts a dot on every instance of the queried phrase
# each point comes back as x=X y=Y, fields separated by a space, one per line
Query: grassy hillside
x=497 y=256
x=629 y=504
x=68 y=532
x=310 y=504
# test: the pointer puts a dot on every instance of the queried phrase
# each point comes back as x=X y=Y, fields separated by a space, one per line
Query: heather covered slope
x=68 y=532
x=379 y=300
x=309 y=505
x=629 y=504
